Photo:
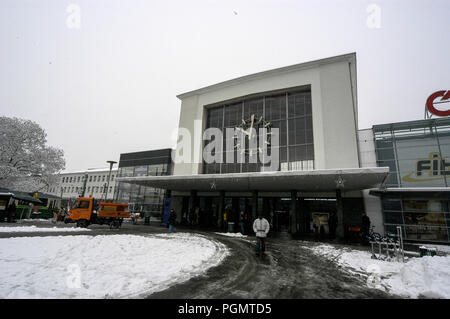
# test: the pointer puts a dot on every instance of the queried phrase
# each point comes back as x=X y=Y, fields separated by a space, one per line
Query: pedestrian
x=365 y=226
x=191 y=217
x=332 y=225
x=11 y=212
x=261 y=227
x=55 y=215
x=172 y=221
x=242 y=222
x=196 y=215
x=316 y=231
x=63 y=212
x=225 y=221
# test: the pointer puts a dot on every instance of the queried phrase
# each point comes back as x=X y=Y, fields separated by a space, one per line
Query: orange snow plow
x=88 y=211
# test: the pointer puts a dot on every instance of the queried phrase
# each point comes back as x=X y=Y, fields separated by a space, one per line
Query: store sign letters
x=430 y=169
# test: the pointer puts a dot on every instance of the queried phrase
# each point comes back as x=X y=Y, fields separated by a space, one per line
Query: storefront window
x=422 y=219
x=125 y=172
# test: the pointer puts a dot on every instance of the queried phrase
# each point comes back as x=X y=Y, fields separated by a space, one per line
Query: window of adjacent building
x=126 y=171
x=140 y=170
x=103 y=178
x=90 y=178
x=95 y=178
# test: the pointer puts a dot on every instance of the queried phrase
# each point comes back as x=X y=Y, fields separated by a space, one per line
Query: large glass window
x=140 y=170
x=290 y=112
x=146 y=200
x=420 y=219
x=125 y=172
x=417 y=154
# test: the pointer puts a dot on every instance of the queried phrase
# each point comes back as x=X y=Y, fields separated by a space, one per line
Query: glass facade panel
x=290 y=112
x=417 y=154
x=140 y=170
x=147 y=201
x=275 y=107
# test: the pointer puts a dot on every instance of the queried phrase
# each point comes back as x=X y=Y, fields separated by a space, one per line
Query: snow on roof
x=90 y=170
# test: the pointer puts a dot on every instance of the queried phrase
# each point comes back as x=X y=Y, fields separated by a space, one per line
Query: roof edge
x=285 y=69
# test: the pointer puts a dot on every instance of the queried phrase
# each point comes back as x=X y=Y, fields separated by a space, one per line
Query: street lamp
x=111 y=163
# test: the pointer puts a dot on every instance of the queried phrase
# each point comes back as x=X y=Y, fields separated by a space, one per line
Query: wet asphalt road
x=287 y=270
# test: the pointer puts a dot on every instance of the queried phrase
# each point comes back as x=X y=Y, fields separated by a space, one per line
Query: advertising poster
x=420 y=163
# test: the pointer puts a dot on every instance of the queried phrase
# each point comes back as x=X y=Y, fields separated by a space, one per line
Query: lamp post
x=111 y=163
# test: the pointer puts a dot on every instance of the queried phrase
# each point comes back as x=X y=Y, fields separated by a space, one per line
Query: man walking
x=242 y=222
x=172 y=221
x=261 y=227
x=365 y=227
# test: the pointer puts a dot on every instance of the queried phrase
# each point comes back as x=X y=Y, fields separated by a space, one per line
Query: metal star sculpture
x=340 y=182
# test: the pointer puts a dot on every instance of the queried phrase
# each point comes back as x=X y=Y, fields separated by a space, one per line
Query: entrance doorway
x=281 y=220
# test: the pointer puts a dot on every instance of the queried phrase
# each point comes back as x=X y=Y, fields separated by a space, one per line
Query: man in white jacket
x=261 y=227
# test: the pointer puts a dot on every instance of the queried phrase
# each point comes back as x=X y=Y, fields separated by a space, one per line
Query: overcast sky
x=108 y=85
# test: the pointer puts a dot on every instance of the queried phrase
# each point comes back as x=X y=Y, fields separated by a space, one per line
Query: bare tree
x=26 y=162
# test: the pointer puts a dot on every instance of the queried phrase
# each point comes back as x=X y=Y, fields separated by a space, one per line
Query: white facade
x=70 y=184
x=368 y=158
x=334 y=108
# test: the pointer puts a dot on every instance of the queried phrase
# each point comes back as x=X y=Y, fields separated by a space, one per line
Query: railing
x=389 y=244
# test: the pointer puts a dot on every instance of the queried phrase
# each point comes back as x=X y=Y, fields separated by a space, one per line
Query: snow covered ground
x=444 y=249
x=427 y=277
x=33 y=229
x=34 y=220
x=113 y=266
x=232 y=235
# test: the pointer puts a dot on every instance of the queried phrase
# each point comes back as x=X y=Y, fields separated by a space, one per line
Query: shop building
x=148 y=201
x=416 y=193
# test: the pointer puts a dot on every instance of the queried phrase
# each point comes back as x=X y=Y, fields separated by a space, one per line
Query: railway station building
x=312 y=161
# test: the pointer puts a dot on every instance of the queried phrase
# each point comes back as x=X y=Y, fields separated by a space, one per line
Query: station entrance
x=292 y=201
x=311 y=214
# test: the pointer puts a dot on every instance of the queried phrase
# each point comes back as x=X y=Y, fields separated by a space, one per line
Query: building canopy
x=316 y=180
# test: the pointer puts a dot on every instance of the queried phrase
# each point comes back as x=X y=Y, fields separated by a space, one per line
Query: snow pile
x=444 y=249
x=114 y=266
x=232 y=235
x=417 y=277
x=34 y=229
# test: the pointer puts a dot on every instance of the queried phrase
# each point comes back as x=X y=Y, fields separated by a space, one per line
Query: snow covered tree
x=26 y=162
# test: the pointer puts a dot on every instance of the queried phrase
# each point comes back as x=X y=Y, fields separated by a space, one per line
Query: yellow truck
x=87 y=211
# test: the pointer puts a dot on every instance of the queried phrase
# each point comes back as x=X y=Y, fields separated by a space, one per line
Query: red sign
x=445 y=95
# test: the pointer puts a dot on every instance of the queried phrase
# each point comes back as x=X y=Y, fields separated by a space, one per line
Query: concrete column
x=293 y=214
x=192 y=200
x=254 y=205
x=340 y=214
x=221 y=208
x=302 y=218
